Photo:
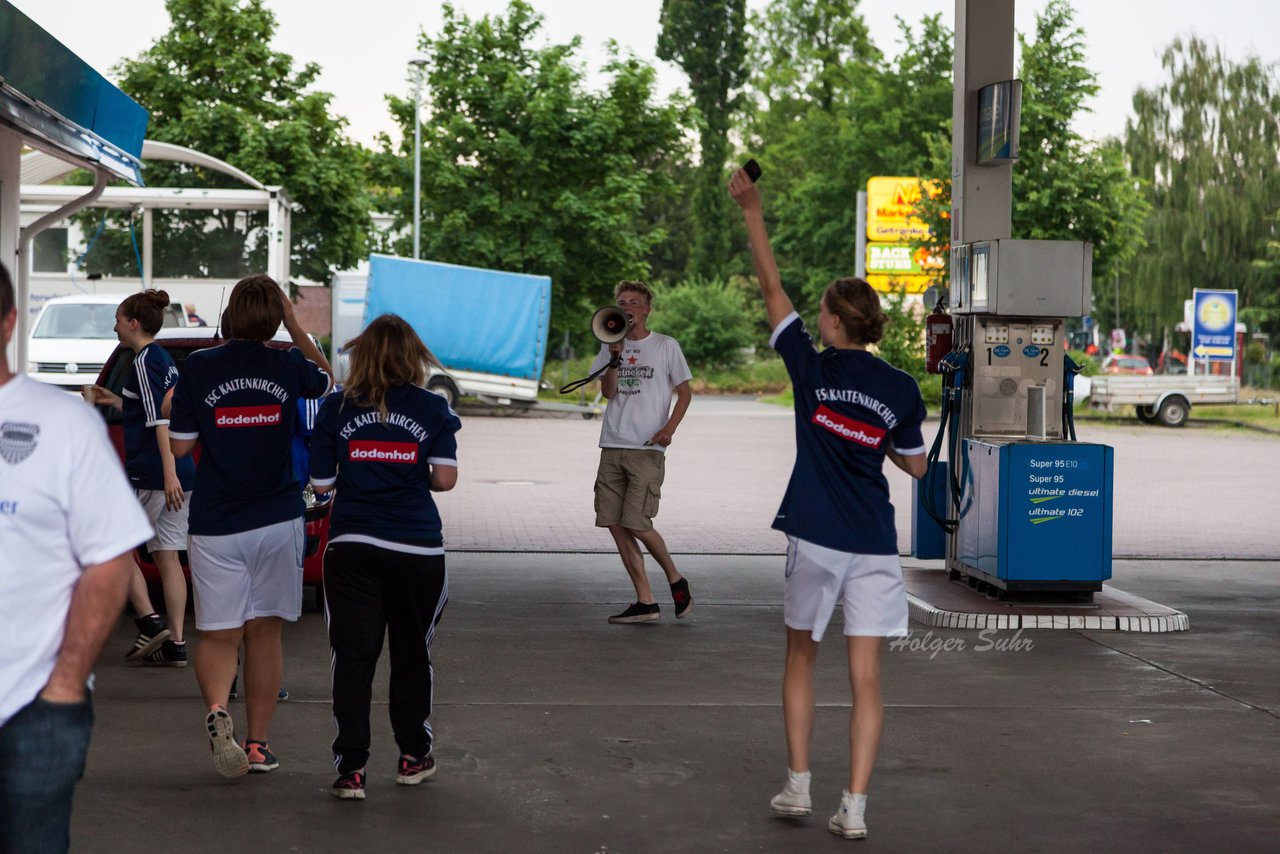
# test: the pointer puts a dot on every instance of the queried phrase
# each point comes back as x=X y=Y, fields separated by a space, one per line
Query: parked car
x=180 y=343
x=73 y=336
x=1122 y=363
x=439 y=380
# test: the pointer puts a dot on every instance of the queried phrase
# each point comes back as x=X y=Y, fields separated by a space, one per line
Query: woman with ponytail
x=384 y=444
x=853 y=412
x=163 y=483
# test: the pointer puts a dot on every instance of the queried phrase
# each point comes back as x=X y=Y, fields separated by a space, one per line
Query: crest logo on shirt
x=17 y=441
x=247 y=416
x=847 y=428
x=405 y=453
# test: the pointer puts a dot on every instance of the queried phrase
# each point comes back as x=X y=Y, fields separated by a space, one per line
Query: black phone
x=752 y=168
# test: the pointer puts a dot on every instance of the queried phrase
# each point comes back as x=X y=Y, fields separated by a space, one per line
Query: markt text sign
x=891 y=204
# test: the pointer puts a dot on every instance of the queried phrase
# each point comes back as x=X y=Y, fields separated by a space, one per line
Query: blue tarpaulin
x=472 y=319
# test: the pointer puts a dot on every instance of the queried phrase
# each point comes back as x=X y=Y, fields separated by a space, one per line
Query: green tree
x=710 y=319
x=1264 y=311
x=707 y=38
x=1064 y=187
x=833 y=118
x=1205 y=145
x=213 y=83
x=525 y=170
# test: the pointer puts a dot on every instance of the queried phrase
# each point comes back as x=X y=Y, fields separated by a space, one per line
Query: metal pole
x=148 y=248
x=417 y=62
x=860 y=240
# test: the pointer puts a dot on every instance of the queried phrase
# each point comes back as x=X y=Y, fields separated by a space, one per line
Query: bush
x=709 y=318
x=903 y=343
x=1086 y=361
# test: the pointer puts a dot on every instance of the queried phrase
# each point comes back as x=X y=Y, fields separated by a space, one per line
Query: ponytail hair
x=147 y=308
x=858 y=306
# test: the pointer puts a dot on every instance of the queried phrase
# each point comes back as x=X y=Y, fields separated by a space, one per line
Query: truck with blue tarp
x=488 y=327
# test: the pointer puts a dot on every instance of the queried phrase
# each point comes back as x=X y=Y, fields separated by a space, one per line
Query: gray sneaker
x=229 y=758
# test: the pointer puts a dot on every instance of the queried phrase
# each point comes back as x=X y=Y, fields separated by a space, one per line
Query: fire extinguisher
x=937 y=336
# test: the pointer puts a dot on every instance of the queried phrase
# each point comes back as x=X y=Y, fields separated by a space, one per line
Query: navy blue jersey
x=307 y=410
x=850 y=407
x=241 y=401
x=381 y=470
x=153 y=374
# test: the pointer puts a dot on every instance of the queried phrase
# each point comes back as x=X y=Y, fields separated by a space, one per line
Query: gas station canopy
x=58 y=103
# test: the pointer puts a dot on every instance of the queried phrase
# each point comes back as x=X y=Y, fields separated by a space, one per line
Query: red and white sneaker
x=412 y=770
x=349 y=787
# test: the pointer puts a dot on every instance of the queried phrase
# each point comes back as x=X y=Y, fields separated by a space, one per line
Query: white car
x=73 y=336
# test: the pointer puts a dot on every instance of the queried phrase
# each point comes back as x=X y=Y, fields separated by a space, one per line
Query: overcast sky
x=363 y=49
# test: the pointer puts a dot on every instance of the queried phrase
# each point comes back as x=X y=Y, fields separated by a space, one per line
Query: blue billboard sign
x=1213 y=327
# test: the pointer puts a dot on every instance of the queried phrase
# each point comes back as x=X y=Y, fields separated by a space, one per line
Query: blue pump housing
x=1037 y=515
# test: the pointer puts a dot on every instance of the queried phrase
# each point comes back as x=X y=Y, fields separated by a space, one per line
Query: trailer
x=488 y=327
x=1164 y=399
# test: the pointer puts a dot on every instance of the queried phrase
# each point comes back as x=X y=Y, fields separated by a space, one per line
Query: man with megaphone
x=641 y=371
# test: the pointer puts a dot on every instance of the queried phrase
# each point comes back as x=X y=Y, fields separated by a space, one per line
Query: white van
x=73 y=336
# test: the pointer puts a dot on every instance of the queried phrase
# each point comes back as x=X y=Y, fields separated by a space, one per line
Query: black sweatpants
x=371 y=592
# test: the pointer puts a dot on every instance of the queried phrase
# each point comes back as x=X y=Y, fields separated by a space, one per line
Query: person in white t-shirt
x=68 y=526
x=644 y=370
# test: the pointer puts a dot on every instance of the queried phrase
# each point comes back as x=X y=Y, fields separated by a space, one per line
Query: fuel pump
x=1022 y=505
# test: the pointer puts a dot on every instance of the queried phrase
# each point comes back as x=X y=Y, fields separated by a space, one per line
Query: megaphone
x=609 y=324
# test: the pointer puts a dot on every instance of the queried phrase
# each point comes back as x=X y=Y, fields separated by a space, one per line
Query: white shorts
x=869 y=586
x=244 y=576
x=170 y=525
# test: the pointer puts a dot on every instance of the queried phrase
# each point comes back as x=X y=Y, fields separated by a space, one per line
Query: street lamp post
x=418 y=62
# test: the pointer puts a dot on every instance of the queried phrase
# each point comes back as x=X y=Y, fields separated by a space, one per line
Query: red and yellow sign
x=892 y=227
x=891 y=204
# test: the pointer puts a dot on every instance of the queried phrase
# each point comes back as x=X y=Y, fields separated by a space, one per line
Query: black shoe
x=637 y=613
x=152 y=633
x=169 y=654
x=683 y=598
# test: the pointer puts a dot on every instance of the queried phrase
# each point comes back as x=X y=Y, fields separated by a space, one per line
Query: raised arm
x=776 y=302
x=301 y=339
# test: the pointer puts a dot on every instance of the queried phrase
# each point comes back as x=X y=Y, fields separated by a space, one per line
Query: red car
x=1121 y=363
x=182 y=342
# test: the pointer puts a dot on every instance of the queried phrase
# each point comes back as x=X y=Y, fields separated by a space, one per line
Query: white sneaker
x=849 y=821
x=794 y=797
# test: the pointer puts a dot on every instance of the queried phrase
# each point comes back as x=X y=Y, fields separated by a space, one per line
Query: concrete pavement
x=526 y=484
x=560 y=733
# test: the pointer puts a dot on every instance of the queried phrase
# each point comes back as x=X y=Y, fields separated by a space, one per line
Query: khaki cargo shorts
x=628 y=486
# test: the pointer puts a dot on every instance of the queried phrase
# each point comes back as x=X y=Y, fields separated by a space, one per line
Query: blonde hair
x=638 y=287
x=858 y=306
x=387 y=353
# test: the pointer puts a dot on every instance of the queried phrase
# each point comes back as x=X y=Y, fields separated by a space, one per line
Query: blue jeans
x=42 y=753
